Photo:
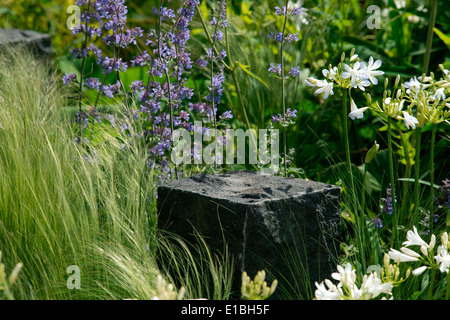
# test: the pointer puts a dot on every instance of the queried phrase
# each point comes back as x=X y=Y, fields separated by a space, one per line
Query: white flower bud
x=419 y=271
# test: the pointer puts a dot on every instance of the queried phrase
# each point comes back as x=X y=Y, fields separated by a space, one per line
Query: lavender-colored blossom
x=296 y=11
x=92 y=83
x=378 y=222
x=275 y=69
x=164 y=13
x=278 y=37
x=69 y=77
x=388 y=205
x=201 y=63
x=226 y=115
x=294 y=72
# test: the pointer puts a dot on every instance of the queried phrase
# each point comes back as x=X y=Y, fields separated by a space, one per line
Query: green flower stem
x=363 y=193
x=231 y=67
x=433 y=140
x=447 y=293
x=431 y=22
x=83 y=60
x=431 y=285
x=392 y=179
x=405 y=144
x=237 y=87
x=283 y=95
x=418 y=133
x=347 y=152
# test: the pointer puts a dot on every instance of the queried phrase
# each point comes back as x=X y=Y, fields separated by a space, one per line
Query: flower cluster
x=166 y=56
x=417 y=101
x=287 y=119
x=257 y=289
x=166 y=291
x=218 y=22
x=387 y=208
x=431 y=259
x=354 y=75
x=371 y=286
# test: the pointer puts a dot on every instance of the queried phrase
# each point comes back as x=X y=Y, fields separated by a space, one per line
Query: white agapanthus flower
x=414 y=239
x=415 y=86
x=354 y=73
x=356 y=113
x=443 y=254
x=410 y=121
x=332 y=293
x=402 y=257
x=330 y=74
x=325 y=87
x=439 y=94
x=370 y=71
x=371 y=286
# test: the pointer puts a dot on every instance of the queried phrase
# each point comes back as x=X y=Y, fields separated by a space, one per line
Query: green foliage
x=89 y=208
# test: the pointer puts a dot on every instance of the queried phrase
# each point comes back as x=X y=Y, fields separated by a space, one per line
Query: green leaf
x=245 y=68
x=445 y=38
x=420 y=181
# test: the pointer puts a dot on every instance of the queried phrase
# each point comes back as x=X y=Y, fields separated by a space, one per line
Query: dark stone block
x=289 y=227
x=38 y=43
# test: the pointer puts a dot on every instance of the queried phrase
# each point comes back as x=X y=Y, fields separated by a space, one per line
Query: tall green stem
x=431 y=285
x=433 y=139
x=431 y=22
x=447 y=293
x=392 y=179
x=283 y=98
x=347 y=152
x=418 y=133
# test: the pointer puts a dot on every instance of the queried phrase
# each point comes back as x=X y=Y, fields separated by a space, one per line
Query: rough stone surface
x=39 y=43
x=281 y=225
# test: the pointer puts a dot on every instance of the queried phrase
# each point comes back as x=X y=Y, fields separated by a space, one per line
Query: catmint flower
x=141 y=59
x=92 y=83
x=69 y=77
x=280 y=11
x=296 y=11
x=164 y=13
x=136 y=86
x=275 y=36
x=378 y=222
x=201 y=63
x=356 y=113
x=275 y=69
x=294 y=72
x=388 y=202
x=226 y=115
x=291 y=37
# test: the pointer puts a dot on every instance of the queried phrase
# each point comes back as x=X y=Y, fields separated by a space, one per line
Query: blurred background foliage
x=326 y=29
